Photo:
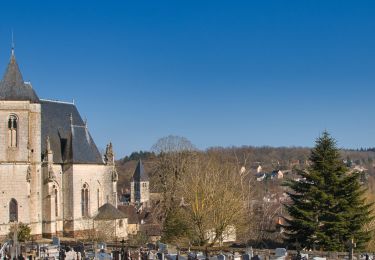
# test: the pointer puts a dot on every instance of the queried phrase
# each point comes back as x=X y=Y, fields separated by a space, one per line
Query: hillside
x=270 y=158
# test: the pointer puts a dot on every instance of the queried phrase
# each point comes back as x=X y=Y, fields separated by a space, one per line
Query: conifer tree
x=328 y=207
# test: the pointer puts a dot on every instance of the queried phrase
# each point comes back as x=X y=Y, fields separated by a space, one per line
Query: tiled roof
x=12 y=86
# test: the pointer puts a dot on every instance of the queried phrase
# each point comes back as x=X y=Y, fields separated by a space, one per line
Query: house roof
x=109 y=212
x=131 y=213
x=69 y=136
x=139 y=173
x=12 y=86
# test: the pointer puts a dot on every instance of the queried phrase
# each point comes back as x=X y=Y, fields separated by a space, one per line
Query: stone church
x=52 y=175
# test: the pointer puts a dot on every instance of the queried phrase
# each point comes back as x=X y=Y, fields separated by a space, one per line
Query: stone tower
x=20 y=131
x=139 y=186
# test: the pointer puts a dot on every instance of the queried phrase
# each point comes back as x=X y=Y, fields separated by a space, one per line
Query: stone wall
x=20 y=166
x=99 y=180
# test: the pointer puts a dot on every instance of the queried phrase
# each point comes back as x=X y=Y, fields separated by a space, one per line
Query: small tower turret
x=109 y=157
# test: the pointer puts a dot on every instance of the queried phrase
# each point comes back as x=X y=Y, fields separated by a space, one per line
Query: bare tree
x=209 y=193
x=213 y=199
x=174 y=157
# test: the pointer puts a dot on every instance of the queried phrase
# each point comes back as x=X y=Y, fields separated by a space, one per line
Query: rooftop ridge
x=57 y=101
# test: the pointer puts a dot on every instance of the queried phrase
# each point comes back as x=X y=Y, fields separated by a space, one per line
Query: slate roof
x=70 y=139
x=109 y=212
x=139 y=173
x=131 y=213
x=12 y=86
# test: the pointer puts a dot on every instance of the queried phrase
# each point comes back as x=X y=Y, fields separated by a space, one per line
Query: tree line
x=204 y=194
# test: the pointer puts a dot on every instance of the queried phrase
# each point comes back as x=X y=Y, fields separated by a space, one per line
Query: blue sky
x=219 y=73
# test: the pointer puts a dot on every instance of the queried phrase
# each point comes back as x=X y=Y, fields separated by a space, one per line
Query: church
x=53 y=177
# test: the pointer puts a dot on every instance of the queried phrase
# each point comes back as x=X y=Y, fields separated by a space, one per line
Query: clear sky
x=219 y=73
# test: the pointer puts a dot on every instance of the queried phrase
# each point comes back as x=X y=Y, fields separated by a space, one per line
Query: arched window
x=13 y=210
x=85 y=200
x=56 y=203
x=12 y=131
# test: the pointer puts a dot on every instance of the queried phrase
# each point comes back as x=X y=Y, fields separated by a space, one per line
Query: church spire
x=139 y=174
x=12 y=87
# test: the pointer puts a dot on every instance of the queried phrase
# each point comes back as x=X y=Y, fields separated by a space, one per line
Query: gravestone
x=236 y=256
x=56 y=241
x=150 y=256
x=280 y=252
x=246 y=256
x=160 y=256
x=221 y=257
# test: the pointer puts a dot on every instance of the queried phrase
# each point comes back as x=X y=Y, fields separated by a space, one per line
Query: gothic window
x=56 y=203
x=85 y=200
x=12 y=131
x=13 y=210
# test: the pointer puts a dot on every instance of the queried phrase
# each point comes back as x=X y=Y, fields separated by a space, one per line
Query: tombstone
x=250 y=251
x=236 y=256
x=102 y=246
x=228 y=256
x=221 y=257
x=246 y=256
x=56 y=241
x=104 y=256
x=191 y=255
x=70 y=255
x=150 y=255
x=160 y=256
x=163 y=247
x=281 y=252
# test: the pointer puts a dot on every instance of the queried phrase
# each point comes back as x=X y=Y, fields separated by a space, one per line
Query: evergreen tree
x=327 y=206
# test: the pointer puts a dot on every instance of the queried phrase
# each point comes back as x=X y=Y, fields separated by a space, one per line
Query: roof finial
x=12 y=43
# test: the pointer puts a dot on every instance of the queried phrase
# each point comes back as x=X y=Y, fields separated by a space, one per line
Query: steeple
x=139 y=173
x=12 y=86
x=139 y=186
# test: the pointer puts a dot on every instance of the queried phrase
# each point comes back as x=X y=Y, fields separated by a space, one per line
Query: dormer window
x=12 y=131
